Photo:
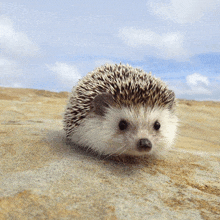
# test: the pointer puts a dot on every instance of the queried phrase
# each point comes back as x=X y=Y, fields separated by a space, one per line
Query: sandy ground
x=44 y=178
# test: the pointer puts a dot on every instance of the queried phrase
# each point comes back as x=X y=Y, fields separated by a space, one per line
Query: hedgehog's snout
x=144 y=145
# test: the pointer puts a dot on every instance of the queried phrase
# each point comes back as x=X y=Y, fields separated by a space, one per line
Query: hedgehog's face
x=138 y=130
x=133 y=131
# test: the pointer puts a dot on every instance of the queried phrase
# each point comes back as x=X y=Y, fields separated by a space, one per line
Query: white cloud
x=14 y=46
x=13 y=42
x=196 y=78
x=68 y=74
x=187 y=11
x=167 y=45
x=198 y=84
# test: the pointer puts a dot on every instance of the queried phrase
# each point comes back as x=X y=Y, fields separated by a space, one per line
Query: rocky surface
x=42 y=177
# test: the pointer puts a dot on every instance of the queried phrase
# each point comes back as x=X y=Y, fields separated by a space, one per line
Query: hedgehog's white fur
x=138 y=97
x=102 y=135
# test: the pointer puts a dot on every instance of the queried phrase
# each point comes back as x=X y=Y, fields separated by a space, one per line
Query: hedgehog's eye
x=156 y=125
x=123 y=125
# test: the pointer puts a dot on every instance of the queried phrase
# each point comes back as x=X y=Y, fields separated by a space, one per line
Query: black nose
x=144 y=145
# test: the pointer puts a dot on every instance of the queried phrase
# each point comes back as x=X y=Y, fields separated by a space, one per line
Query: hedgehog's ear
x=101 y=102
x=172 y=100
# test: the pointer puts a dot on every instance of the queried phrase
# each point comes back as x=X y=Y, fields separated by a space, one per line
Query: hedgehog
x=121 y=110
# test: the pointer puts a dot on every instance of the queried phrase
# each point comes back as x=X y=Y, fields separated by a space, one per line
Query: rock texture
x=42 y=177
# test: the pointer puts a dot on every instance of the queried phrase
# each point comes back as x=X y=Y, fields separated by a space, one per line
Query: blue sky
x=51 y=44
